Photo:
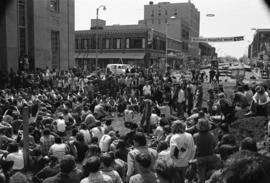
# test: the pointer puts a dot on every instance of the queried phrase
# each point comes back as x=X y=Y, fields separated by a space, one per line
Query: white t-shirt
x=128 y=115
x=147 y=90
x=17 y=158
x=182 y=141
x=86 y=136
x=104 y=143
x=61 y=125
x=58 y=150
x=97 y=132
x=154 y=119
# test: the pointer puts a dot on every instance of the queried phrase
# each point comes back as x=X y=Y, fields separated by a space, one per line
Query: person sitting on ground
x=240 y=98
x=51 y=169
x=145 y=173
x=92 y=173
x=261 y=103
x=106 y=140
x=81 y=147
x=58 y=149
x=99 y=111
x=107 y=164
x=128 y=116
x=140 y=147
x=16 y=155
x=68 y=172
x=97 y=131
x=86 y=134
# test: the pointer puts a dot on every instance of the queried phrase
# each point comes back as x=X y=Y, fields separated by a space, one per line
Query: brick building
x=130 y=44
x=184 y=24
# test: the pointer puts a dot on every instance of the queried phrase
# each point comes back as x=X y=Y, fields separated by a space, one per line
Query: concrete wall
x=11 y=36
x=3 y=64
x=46 y=21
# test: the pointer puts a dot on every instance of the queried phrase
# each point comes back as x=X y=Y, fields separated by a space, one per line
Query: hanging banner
x=217 y=39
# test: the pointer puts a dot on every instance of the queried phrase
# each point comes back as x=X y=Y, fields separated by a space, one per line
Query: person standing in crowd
x=211 y=75
x=217 y=76
x=205 y=142
x=147 y=90
x=199 y=96
x=182 y=150
x=181 y=99
x=140 y=147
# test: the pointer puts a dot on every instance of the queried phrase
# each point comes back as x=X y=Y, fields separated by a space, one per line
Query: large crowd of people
x=171 y=132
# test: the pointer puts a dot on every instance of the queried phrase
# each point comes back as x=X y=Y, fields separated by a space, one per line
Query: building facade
x=181 y=21
x=259 y=49
x=129 y=44
x=37 y=34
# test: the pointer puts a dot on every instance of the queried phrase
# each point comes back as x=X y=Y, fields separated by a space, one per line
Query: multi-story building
x=36 y=34
x=259 y=49
x=131 y=44
x=181 y=21
x=207 y=50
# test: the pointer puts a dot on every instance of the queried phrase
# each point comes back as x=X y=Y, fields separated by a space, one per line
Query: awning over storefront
x=111 y=55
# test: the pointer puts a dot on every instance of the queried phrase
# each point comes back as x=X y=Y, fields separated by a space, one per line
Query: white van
x=117 y=68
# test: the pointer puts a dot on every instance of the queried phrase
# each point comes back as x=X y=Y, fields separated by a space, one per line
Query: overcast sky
x=232 y=18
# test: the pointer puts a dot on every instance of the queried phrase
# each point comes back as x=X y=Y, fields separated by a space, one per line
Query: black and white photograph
x=134 y=91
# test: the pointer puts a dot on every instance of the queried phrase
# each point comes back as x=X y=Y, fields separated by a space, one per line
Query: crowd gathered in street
x=174 y=129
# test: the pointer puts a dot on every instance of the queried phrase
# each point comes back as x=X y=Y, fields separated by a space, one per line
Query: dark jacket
x=73 y=177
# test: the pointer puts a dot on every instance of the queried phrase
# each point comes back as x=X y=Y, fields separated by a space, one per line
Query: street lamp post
x=166 y=51
x=104 y=8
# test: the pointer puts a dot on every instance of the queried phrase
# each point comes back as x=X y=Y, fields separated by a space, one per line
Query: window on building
x=22 y=42
x=106 y=43
x=127 y=43
x=175 y=12
x=82 y=44
x=153 y=13
x=166 y=12
x=55 y=49
x=143 y=42
x=159 y=12
x=54 y=5
x=21 y=9
x=135 y=43
x=159 y=22
x=93 y=43
x=85 y=43
x=77 y=43
x=116 y=43
x=88 y=43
